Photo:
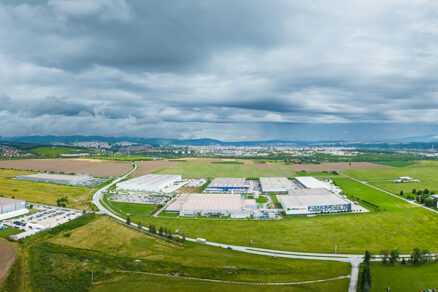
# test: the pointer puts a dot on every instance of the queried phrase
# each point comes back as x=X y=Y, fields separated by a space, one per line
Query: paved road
x=354 y=259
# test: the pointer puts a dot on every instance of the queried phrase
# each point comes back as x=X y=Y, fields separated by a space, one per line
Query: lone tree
x=414 y=191
x=394 y=256
x=416 y=256
x=139 y=225
x=160 y=231
x=366 y=274
x=401 y=194
x=385 y=256
x=128 y=220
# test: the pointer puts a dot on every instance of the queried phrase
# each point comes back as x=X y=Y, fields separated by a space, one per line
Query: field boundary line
x=391 y=194
x=237 y=282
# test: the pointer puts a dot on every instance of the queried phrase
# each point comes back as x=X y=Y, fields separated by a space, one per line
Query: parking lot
x=140 y=199
x=43 y=219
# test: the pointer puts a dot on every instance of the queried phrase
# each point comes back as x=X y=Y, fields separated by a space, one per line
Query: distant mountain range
x=413 y=142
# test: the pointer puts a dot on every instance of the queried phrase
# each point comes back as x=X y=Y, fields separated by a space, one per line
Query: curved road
x=354 y=259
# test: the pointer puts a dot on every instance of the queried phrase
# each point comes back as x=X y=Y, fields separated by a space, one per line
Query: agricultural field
x=426 y=171
x=7 y=256
x=146 y=167
x=202 y=169
x=331 y=166
x=64 y=258
x=42 y=193
x=397 y=163
x=403 y=277
x=55 y=152
x=91 y=167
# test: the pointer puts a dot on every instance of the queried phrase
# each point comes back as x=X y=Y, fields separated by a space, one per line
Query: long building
x=228 y=185
x=276 y=184
x=212 y=205
x=10 y=208
x=310 y=182
x=64 y=179
x=149 y=182
x=312 y=201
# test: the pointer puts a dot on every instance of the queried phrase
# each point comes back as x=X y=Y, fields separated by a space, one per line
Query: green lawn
x=427 y=172
x=55 y=152
x=404 y=277
x=135 y=210
x=158 y=283
x=195 y=169
x=9 y=231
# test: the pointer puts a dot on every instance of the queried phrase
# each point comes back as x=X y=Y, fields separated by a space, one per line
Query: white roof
x=149 y=180
x=275 y=183
x=219 y=202
x=310 y=200
x=53 y=176
x=309 y=192
x=227 y=182
x=311 y=182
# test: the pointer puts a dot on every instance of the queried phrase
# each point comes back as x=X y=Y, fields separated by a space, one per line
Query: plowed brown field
x=7 y=256
x=87 y=166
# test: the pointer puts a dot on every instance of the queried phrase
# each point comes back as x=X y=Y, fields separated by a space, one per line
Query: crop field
x=43 y=193
x=145 y=167
x=201 y=168
x=397 y=163
x=55 y=152
x=404 y=277
x=7 y=256
x=397 y=224
x=427 y=172
x=91 y=167
x=336 y=166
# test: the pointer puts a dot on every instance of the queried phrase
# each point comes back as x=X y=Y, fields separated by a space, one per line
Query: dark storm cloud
x=265 y=69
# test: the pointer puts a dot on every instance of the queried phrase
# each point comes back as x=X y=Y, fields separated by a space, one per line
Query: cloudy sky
x=229 y=69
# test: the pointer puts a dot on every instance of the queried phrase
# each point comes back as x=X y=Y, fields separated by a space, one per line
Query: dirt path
x=239 y=282
x=7 y=257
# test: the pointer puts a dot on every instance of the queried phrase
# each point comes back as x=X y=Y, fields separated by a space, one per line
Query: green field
x=195 y=169
x=403 y=277
x=427 y=172
x=43 y=193
x=137 y=210
x=154 y=283
x=64 y=258
x=396 y=163
x=55 y=152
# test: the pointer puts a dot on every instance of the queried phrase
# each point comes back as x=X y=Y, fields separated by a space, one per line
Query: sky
x=230 y=69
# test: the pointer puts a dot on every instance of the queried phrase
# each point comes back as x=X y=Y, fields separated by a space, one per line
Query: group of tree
x=62 y=202
x=366 y=274
x=417 y=257
x=422 y=197
x=164 y=232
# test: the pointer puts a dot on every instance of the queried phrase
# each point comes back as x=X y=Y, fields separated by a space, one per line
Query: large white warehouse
x=312 y=201
x=310 y=182
x=149 y=182
x=212 y=204
x=10 y=208
x=276 y=184
x=64 y=179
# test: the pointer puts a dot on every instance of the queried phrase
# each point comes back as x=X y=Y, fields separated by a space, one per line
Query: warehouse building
x=149 y=182
x=212 y=205
x=65 y=179
x=312 y=201
x=276 y=184
x=10 y=208
x=309 y=182
x=228 y=185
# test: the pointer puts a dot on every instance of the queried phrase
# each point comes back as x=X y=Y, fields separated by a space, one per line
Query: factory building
x=212 y=205
x=309 y=182
x=228 y=185
x=149 y=183
x=276 y=184
x=312 y=201
x=65 y=179
x=10 y=208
